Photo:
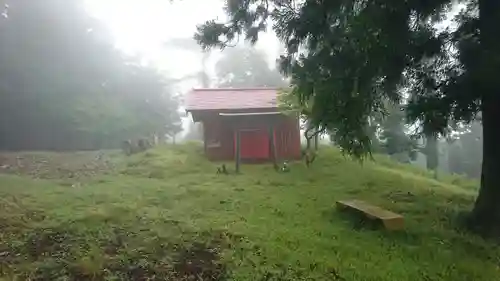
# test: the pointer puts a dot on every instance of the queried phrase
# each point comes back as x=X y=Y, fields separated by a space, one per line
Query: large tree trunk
x=486 y=213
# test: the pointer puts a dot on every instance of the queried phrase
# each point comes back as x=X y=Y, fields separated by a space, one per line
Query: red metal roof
x=237 y=98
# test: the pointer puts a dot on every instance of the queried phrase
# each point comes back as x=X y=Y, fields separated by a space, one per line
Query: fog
x=88 y=74
x=146 y=29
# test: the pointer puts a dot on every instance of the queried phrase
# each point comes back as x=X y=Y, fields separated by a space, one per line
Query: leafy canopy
x=351 y=57
x=64 y=86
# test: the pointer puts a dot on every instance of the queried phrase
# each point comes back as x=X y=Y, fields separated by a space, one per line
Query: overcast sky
x=142 y=26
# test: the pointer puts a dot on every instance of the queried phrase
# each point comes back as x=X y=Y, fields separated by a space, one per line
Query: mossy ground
x=166 y=215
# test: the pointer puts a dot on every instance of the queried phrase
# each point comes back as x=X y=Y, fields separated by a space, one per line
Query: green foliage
x=388 y=134
x=288 y=101
x=167 y=207
x=64 y=86
x=351 y=56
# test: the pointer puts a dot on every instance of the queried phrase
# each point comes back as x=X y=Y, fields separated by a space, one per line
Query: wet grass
x=166 y=215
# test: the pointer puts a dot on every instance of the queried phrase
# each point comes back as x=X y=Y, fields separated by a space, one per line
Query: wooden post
x=204 y=140
x=237 y=152
x=272 y=147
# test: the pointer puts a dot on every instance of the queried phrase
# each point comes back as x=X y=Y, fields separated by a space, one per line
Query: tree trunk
x=431 y=152
x=316 y=142
x=486 y=213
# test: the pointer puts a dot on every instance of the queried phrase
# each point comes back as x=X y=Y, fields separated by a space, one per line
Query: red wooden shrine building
x=245 y=121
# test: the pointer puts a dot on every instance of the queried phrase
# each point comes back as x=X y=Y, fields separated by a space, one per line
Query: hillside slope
x=166 y=215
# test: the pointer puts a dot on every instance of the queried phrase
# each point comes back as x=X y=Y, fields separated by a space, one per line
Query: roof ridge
x=231 y=98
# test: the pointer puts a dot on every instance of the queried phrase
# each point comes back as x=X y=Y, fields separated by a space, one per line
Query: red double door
x=254 y=144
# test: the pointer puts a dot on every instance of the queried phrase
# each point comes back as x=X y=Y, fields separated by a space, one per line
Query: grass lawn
x=166 y=215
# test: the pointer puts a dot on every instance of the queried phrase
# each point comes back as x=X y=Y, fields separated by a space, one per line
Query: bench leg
x=394 y=224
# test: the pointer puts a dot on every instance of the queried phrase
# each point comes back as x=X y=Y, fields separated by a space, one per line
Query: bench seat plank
x=390 y=219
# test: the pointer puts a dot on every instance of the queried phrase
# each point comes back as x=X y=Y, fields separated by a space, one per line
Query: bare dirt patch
x=60 y=253
x=48 y=165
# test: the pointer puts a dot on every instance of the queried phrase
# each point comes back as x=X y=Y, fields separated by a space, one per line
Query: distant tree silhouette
x=64 y=86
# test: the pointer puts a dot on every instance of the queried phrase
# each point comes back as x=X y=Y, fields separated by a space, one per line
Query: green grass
x=166 y=215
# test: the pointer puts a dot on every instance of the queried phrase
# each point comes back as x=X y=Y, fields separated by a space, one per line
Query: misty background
x=88 y=74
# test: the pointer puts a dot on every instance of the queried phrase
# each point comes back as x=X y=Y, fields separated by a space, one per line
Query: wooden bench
x=391 y=220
